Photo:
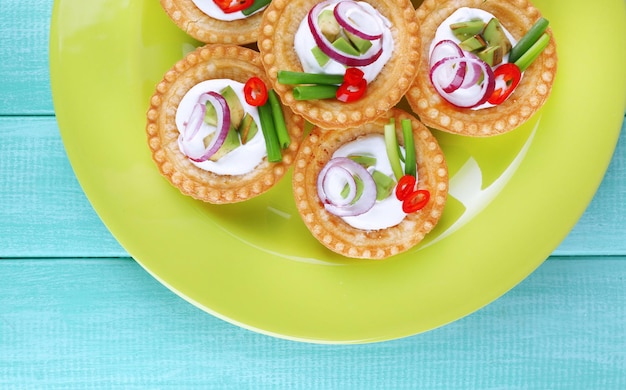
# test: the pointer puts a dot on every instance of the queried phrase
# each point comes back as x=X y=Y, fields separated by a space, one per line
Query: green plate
x=513 y=198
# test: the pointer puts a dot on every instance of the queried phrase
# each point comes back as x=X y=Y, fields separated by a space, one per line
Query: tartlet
x=333 y=231
x=281 y=21
x=211 y=62
x=199 y=25
x=530 y=95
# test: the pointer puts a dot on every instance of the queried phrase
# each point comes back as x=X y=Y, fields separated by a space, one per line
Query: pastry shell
x=189 y=18
x=317 y=149
x=280 y=23
x=211 y=62
x=517 y=17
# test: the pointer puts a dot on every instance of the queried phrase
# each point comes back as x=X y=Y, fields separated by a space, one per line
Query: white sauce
x=304 y=42
x=213 y=10
x=462 y=15
x=385 y=213
x=242 y=159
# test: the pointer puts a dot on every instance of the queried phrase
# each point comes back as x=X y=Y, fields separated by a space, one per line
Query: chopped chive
x=359 y=189
x=410 y=166
x=533 y=52
x=292 y=78
x=257 y=5
x=365 y=161
x=384 y=185
x=279 y=119
x=391 y=143
x=313 y=92
x=269 y=133
x=528 y=39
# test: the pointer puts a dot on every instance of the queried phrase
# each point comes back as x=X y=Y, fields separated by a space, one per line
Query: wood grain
x=24 y=76
x=71 y=323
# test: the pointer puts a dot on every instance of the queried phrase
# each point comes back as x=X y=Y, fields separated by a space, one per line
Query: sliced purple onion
x=356 y=20
x=445 y=49
x=469 y=96
x=343 y=170
x=327 y=47
x=195 y=122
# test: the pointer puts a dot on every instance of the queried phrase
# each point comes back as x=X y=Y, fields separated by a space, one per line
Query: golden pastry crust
x=332 y=231
x=204 y=28
x=517 y=17
x=206 y=63
x=276 y=44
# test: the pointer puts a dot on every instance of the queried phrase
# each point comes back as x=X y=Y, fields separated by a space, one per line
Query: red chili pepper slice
x=353 y=76
x=255 y=91
x=230 y=6
x=508 y=75
x=350 y=93
x=405 y=187
x=415 y=201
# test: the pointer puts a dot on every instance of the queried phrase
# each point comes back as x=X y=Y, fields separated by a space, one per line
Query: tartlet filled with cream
x=487 y=66
x=372 y=191
x=218 y=21
x=216 y=131
x=340 y=63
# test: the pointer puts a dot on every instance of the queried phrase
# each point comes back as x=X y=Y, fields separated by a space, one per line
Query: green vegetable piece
x=234 y=105
x=492 y=55
x=533 y=52
x=362 y=45
x=494 y=35
x=391 y=144
x=292 y=78
x=279 y=119
x=321 y=57
x=328 y=25
x=342 y=44
x=410 y=165
x=359 y=189
x=384 y=185
x=313 y=92
x=269 y=133
x=247 y=129
x=231 y=142
x=364 y=160
x=464 y=30
x=528 y=39
x=257 y=5
x=473 y=43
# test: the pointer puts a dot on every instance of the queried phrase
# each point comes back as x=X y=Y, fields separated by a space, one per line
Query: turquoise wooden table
x=76 y=311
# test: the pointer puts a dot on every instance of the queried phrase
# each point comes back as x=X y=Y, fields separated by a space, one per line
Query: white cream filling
x=213 y=10
x=304 y=42
x=462 y=15
x=387 y=212
x=242 y=159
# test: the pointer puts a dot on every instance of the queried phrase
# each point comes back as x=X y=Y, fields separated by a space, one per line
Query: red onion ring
x=195 y=122
x=466 y=97
x=327 y=47
x=366 y=26
x=445 y=49
x=336 y=204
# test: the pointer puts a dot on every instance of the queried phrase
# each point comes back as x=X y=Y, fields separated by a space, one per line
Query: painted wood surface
x=77 y=312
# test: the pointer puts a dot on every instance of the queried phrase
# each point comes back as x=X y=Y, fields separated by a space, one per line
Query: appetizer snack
x=217 y=21
x=215 y=132
x=307 y=46
x=487 y=66
x=365 y=192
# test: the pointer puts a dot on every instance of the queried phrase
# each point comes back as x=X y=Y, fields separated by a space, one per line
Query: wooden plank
x=24 y=75
x=107 y=323
x=43 y=211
